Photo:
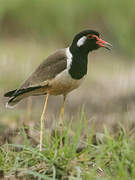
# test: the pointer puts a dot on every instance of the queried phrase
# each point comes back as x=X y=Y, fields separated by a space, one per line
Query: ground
x=99 y=119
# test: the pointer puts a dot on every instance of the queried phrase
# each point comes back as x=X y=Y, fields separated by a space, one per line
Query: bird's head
x=88 y=40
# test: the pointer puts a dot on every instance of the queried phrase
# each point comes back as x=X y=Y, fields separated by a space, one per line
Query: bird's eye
x=89 y=36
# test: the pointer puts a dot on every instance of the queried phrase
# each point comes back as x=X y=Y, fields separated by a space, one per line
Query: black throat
x=79 y=63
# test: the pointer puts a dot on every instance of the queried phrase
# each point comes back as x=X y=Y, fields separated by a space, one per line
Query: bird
x=60 y=73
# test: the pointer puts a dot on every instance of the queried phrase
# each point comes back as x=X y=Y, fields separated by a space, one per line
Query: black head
x=86 y=41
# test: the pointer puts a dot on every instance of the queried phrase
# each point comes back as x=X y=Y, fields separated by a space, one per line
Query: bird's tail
x=10 y=93
x=18 y=95
x=12 y=102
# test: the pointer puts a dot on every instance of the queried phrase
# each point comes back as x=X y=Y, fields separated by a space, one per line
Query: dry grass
x=105 y=99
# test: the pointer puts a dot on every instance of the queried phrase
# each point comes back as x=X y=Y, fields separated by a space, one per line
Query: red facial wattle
x=102 y=43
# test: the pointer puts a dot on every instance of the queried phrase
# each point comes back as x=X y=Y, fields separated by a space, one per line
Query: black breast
x=79 y=66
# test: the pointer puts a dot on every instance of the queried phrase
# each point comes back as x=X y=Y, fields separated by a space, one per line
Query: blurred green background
x=60 y=20
x=30 y=30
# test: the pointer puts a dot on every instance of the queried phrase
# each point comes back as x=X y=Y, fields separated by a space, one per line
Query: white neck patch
x=69 y=58
x=81 y=41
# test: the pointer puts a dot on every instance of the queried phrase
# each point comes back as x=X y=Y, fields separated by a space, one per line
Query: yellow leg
x=42 y=122
x=61 y=114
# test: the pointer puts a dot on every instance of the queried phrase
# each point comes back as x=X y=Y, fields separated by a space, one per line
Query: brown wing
x=47 y=70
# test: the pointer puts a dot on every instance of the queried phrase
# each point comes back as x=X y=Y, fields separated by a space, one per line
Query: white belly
x=63 y=83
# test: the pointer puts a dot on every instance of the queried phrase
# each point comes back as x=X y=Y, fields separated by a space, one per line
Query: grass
x=84 y=155
x=105 y=158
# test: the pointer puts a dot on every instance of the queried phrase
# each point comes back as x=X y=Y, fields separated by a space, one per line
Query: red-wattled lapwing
x=60 y=73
